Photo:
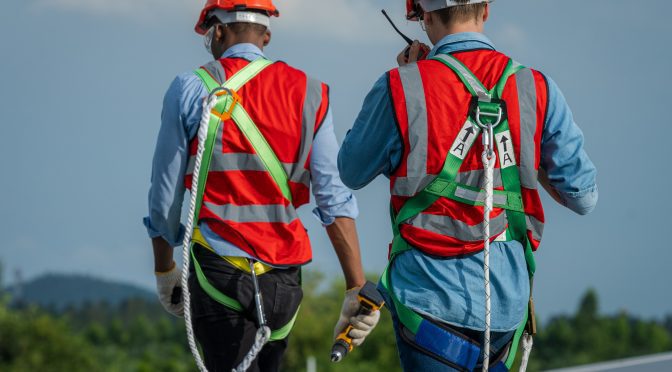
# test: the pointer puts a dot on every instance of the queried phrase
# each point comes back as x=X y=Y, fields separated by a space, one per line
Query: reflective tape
x=273 y=213
x=468 y=77
x=311 y=106
x=416 y=109
x=527 y=101
x=479 y=196
x=535 y=226
x=405 y=186
x=448 y=226
x=216 y=70
x=246 y=162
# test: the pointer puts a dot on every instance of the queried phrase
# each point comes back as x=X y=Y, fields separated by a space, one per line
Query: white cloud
x=342 y=20
x=138 y=9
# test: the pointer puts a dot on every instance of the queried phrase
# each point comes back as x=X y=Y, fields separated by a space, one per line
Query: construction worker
x=422 y=126
x=246 y=214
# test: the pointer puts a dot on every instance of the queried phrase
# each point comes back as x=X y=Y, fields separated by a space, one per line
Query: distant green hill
x=58 y=291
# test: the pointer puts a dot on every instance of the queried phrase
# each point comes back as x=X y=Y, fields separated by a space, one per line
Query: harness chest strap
x=228 y=104
x=444 y=185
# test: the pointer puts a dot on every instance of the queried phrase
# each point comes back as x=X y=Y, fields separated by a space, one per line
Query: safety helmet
x=229 y=11
x=413 y=10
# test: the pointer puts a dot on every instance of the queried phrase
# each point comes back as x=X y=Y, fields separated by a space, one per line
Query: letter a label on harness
x=465 y=139
x=507 y=157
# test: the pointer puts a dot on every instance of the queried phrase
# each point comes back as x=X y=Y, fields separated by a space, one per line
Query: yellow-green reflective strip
x=248 y=72
x=211 y=290
x=263 y=149
x=282 y=333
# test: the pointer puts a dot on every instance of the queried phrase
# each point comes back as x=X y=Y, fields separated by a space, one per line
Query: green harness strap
x=245 y=123
x=261 y=147
x=444 y=185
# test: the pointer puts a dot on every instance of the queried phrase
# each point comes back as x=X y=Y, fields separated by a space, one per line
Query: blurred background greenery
x=74 y=323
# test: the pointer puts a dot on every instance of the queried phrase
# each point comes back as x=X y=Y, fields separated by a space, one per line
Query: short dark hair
x=245 y=27
x=461 y=13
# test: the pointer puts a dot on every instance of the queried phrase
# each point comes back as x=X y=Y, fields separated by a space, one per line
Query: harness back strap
x=242 y=119
x=444 y=185
x=228 y=107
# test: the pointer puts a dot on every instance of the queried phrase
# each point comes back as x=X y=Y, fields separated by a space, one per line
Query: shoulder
x=292 y=72
x=186 y=85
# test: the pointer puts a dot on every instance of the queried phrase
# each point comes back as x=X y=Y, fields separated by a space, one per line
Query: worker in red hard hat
x=452 y=131
x=267 y=142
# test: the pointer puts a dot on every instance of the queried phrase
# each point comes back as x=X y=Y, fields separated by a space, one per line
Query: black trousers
x=226 y=335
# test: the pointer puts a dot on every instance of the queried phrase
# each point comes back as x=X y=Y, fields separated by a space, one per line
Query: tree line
x=138 y=335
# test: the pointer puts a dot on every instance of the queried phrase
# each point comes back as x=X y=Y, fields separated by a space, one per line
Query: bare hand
x=416 y=52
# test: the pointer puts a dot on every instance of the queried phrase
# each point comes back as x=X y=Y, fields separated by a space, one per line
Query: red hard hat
x=412 y=10
x=235 y=5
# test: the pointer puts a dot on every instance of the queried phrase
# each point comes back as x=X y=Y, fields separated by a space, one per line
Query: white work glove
x=362 y=324
x=165 y=284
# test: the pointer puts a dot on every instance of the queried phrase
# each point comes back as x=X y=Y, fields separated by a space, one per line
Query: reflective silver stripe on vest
x=475 y=178
x=216 y=70
x=527 y=100
x=416 y=109
x=447 y=226
x=403 y=186
x=244 y=162
x=475 y=85
x=535 y=226
x=479 y=196
x=311 y=106
x=274 y=213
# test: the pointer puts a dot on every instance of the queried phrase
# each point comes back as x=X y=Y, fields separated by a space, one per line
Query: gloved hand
x=165 y=284
x=362 y=324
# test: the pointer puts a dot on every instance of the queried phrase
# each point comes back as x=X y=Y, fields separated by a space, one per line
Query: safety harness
x=223 y=104
x=487 y=109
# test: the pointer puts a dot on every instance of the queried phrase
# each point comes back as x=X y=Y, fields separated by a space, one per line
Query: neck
x=244 y=40
x=456 y=28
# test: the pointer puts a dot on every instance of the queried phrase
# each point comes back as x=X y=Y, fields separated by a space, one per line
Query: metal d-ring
x=219 y=89
x=498 y=115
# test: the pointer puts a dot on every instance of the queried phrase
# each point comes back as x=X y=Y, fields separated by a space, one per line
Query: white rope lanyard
x=264 y=332
x=488 y=159
x=208 y=105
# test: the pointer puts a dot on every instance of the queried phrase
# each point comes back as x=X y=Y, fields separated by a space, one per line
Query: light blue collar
x=244 y=50
x=460 y=42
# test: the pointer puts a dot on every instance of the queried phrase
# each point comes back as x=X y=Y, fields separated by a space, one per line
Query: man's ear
x=428 y=18
x=486 y=12
x=219 y=32
x=267 y=37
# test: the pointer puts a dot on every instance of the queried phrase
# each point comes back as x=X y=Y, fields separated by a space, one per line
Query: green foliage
x=138 y=336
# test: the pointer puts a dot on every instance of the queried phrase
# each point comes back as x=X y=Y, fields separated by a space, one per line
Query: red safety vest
x=241 y=202
x=431 y=104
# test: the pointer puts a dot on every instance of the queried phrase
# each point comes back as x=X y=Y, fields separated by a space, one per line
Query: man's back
x=450 y=289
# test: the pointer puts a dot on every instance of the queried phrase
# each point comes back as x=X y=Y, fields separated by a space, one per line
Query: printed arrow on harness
x=468 y=132
x=503 y=141
x=507 y=157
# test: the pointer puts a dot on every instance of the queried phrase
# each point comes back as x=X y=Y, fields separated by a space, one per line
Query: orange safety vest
x=241 y=202
x=431 y=104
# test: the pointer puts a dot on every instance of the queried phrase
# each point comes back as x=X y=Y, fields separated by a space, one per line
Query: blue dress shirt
x=451 y=290
x=179 y=125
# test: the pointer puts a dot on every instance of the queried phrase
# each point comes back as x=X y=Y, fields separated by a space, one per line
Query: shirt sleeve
x=374 y=137
x=570 y=171
x=332 y=197
x=179 y=122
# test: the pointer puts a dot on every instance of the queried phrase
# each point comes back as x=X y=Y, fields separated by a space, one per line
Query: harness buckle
x=235 y=100
x=497 y=115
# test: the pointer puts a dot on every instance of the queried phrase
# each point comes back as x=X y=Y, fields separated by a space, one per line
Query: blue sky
x=81 y=90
